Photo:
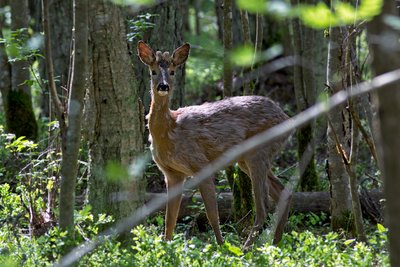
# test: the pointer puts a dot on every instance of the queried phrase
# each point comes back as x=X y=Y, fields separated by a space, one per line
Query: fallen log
x=301 y=202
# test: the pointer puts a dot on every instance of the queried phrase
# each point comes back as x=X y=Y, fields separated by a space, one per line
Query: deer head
x=162 y=66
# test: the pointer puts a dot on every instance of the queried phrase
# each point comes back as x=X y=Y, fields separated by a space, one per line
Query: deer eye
x=153 y=72
x=172 y=72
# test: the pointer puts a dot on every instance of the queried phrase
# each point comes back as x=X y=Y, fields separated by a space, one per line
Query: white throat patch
x=162 y=93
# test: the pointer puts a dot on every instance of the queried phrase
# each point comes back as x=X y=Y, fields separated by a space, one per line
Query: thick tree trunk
x=167 y=34
x=386 y=57
x=114 y=114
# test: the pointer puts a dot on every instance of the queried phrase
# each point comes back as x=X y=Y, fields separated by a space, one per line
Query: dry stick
x=364 y=133
x=229 y=156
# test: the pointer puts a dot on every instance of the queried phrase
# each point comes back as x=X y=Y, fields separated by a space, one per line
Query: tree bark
x=20 y=118
x=386 y=57
x=5 y=67
x=302 y=202
x=72 y=137
x=61 y=44
x=339 y=118
x=166 y=35
x=114 y=114
x=240 y=185
x=228 y=75
x=305 y=92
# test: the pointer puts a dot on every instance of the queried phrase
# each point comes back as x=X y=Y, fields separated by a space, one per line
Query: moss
x=243 y=202
x=19 y=115
x=344 y=221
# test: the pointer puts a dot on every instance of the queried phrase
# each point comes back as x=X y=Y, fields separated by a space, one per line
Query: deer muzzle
x=163 y=88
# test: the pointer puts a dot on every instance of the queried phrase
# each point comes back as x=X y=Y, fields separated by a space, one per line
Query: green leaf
x=318 y=16
x=133 y=2
x=234 y=249
x=381 y=228
x=346 y=12
x=370 y=8
x=253 y=6
x=349 y=241
x=242 y=56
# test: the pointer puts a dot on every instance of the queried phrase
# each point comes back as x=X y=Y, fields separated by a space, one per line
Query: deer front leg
x=172 y=181
x=207 y=191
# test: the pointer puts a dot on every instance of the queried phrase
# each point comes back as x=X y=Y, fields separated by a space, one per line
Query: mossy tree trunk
x=5 y=67
x=20 y=118
x=114 y=115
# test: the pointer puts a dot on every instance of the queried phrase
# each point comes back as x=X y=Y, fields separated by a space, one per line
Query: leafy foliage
x=318 y=16
x=146 y=247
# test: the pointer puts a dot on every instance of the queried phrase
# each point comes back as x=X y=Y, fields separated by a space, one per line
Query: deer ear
x=145 y=53
x=180 y=54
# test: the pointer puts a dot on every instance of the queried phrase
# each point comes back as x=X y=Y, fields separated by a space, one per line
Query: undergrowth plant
x=146 y=247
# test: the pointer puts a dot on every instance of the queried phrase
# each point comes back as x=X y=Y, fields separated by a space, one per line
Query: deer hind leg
x=207 y=191
x=257 y=170
x=172 y=181
x=282 y=197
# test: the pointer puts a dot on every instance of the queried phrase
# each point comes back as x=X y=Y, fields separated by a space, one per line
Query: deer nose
x=163 y=87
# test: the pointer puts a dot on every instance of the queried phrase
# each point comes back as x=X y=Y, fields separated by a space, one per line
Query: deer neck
x=161 y=120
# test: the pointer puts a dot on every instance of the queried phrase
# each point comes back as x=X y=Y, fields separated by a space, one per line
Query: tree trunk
x=114 y=115
x=61 y=43
x=5 y=67
x=228 y=74
x=167 y=34
x=339 y=126
x=386 y=57
x=315 y=202
x=72 y=137
x=239 y=182
x=305 y=91
x=20 y=118
x=219 y=13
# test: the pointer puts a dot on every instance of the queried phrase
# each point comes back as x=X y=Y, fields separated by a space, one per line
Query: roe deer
x=184 y=141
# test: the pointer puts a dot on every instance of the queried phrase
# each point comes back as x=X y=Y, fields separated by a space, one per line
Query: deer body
x=186 y=140
x=197 y=135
